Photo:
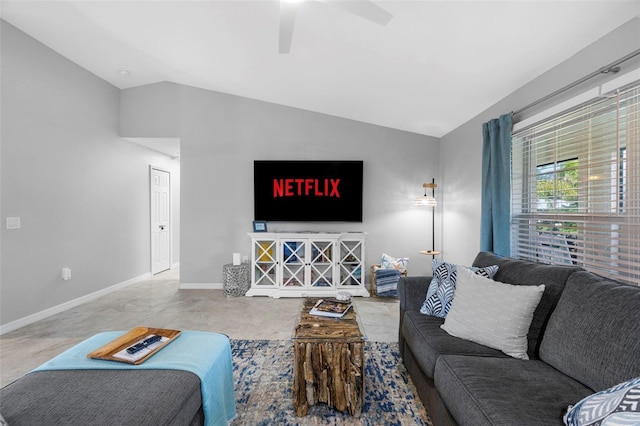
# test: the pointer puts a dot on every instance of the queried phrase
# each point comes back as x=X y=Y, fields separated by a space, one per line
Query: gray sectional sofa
x=584 y=338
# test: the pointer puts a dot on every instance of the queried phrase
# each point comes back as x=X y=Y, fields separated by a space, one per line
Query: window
x=576 y=187
x=557 y=186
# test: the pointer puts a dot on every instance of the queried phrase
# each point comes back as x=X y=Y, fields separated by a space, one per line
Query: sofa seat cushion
x=505 y=391
x=103 y=397
x=427 y=341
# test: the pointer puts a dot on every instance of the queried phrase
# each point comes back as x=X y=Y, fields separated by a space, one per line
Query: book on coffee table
x=333 y=308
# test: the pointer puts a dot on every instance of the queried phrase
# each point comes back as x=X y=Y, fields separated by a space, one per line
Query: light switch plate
x=13 y=222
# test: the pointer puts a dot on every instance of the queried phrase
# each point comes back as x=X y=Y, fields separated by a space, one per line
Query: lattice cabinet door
x=351 y=263
x=321 y=263
x=293 y=267
x=264 y=273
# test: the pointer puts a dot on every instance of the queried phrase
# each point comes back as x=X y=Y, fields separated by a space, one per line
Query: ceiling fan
x=363 y=8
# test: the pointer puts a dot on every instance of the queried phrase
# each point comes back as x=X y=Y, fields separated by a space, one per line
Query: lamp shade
x=425 y=200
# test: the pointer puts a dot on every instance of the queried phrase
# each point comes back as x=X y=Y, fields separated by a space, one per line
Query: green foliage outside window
x=557 y=192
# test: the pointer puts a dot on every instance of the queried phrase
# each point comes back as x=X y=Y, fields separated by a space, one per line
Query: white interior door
x=160 y=220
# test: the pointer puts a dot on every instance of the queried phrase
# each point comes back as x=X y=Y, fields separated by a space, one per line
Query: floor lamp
x=430 y=201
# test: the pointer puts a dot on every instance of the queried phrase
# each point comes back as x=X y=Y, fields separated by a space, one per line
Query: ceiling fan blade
x=287 y=22
x=363 y=8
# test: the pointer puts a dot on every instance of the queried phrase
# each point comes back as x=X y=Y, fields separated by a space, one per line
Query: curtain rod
x=613 y=68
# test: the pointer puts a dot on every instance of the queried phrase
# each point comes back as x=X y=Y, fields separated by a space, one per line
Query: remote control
x=146 y=342
x=136 y=348
x=153 y=339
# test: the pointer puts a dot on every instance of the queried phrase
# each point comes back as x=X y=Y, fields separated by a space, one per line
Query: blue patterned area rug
x=263 y=374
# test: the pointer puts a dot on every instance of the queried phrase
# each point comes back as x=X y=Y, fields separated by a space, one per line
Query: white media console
x=300 y=264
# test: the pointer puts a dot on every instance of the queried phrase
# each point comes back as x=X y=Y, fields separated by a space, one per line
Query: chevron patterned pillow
x=619 y=405
x=443 y=286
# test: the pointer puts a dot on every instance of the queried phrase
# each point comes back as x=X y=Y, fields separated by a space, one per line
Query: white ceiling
x=434 y=66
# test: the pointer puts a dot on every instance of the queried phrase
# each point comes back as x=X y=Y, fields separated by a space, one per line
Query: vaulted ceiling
x=432 y=67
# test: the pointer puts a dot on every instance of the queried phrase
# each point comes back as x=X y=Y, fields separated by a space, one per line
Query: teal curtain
x=496 y=186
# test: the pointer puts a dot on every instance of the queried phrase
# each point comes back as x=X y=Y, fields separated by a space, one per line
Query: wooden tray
x=107 y=351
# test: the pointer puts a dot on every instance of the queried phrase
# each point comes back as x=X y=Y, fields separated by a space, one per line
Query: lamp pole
x=433 y=219
x=430 y=202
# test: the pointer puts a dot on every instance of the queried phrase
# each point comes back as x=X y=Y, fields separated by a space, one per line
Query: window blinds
x=576 y=187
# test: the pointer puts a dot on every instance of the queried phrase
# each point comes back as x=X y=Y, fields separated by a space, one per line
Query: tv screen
x=307 y=191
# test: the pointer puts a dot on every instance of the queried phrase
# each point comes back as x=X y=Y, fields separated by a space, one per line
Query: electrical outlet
x=66 y=274
x=13 y=222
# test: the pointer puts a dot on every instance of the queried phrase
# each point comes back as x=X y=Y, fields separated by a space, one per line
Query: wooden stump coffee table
x=328 y=361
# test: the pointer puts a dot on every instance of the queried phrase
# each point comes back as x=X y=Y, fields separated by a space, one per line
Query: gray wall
x=81 y=191
x=461 y=174
x=221 y=135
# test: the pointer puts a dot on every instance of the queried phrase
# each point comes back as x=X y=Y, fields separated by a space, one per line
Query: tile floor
x=157 y=302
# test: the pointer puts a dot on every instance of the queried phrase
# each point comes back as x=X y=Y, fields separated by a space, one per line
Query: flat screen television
x=307 y=191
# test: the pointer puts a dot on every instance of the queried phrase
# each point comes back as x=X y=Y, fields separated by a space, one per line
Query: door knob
x=161 y=227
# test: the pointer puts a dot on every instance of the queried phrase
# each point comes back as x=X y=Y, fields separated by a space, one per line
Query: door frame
x=151 y=216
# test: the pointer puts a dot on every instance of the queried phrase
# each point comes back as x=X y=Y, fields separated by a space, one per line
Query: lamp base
x=430 y=252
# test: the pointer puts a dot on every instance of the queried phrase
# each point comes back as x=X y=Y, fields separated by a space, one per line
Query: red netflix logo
x=306 y=188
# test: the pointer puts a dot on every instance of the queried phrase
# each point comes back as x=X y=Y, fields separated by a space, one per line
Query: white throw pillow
x=493 y=314
x=390 y=262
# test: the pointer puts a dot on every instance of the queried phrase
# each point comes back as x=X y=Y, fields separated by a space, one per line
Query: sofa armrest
x=412 y=292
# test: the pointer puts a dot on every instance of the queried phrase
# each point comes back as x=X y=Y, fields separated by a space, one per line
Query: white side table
x=236 y=279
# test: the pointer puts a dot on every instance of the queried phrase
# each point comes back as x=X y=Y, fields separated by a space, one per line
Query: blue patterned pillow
x=618 y=405
x=443 y=286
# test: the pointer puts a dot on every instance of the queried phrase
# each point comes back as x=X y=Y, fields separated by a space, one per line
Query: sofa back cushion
x=594 y=332
x=524 y=272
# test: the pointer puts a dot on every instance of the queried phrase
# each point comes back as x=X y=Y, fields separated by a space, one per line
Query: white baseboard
x=200 y=286
x=14 y=325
